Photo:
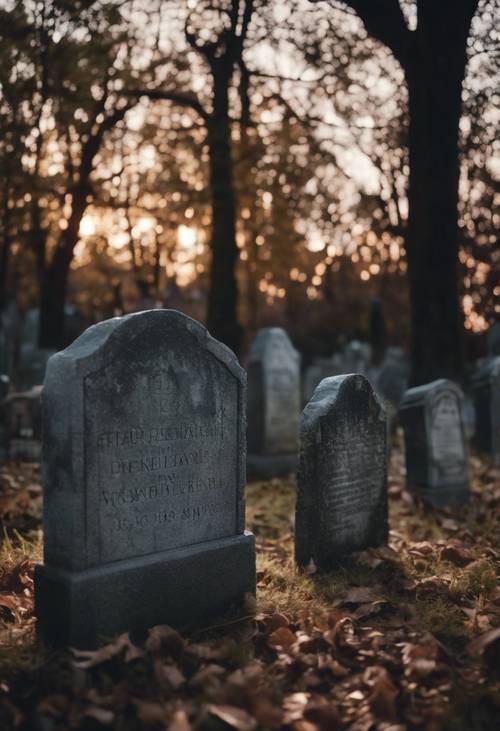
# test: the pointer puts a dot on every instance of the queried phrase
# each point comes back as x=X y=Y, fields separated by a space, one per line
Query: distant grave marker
x=486 y=389
x=273 y=404
x=143 y=478
x=436 y=456
x=342 y=478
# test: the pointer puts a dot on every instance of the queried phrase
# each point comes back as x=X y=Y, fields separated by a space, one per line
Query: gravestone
x=321 y=368
x=273 y=404
x=342 y=477
x=21 y=415
x=436 y=456
x=486 y=390
x=143 y=480
x=392 y=379
x=32 y=359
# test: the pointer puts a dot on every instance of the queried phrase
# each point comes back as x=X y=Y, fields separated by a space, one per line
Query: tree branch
x=184 y=99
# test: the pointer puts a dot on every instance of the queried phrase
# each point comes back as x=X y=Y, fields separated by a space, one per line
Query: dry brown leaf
x=150 y=712
x=179 y=722
x=168 y=674
x=105 y=716
x=283 y=637
x=360 y=595
x=488 y=646
x=163 y=640
x=235 y=717
x=294 y=706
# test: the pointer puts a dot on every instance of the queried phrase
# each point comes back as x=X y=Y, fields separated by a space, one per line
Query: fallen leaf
x=282 y=637
x=179 y=722
x=235 y=717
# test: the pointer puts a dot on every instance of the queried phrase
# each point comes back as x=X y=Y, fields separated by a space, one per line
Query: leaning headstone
x=486 y=390
x=273 y=404
x=436 y=456
x=342 y=478
x=143 y=480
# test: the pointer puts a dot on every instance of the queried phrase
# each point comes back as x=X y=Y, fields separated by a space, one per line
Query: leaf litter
x=402 y=637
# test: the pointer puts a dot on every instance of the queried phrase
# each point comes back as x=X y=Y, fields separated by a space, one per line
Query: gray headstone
x=342 y=478
x=22 y=419
x=355 y=357
x=436 y=455
x=273 y=404
x=392 y=379
x=315 y=373
x=143 y=479
x=486 y=390
x=32 y=359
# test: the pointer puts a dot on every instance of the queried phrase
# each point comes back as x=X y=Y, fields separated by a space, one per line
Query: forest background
x=254 y=163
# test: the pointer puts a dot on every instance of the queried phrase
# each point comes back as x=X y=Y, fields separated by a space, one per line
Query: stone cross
x=436 y=456
x=342 y=477
x=273 y=404
x=143 y=479
x=486 y=389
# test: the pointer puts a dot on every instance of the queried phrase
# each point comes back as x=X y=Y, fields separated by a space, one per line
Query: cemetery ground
x=401 y=637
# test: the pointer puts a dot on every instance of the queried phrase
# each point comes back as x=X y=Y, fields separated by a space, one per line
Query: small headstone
x=321 y=368
x=436 y=455
x=143 y=479
x=21 y=412
x=355 y=358
x=273 y=404
x=342 y=478
x=392 y=379
x=32 y=359
x=486 y=390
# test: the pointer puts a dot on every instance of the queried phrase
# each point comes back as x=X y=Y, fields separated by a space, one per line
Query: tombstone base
x=266 y=466
x=180 y=588
x=443 y=497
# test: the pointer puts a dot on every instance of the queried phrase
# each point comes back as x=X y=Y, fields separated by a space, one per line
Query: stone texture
x=342 y=479
x=486 y=390
x=436 y=456
x=143 y=456
x=273 y=404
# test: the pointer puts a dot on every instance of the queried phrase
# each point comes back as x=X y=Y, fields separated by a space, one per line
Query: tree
x=217 y=34
x=70 y=51
x=433 y=58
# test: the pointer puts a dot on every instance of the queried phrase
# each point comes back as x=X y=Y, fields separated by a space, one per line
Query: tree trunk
x=55 y=278
x=222 y=311
x=434 y=76
x=5 y=259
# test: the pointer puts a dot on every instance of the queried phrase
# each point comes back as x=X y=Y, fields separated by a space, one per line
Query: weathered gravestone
x=342 y=478
x=143 y=478
x=273 y=404
x=486 y=389
x=436 y=457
